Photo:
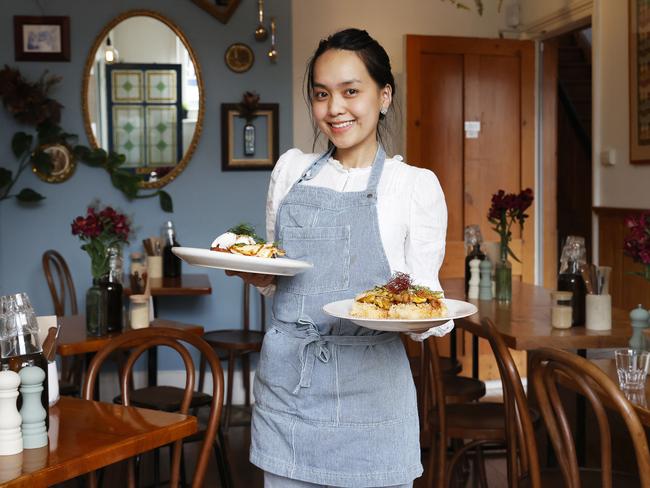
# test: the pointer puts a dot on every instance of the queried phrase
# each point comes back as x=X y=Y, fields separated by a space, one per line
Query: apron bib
x=335 y=403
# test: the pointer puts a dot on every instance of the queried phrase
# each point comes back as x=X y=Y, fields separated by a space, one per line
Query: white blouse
x=410 y=205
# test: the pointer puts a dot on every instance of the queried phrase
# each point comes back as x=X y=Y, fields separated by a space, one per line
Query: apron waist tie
x=314 y=345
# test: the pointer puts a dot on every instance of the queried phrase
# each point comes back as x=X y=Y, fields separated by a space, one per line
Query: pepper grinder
x=32 y=411
x=474 y=279
x=485 y=285
x=639 y=317
x=11 y=441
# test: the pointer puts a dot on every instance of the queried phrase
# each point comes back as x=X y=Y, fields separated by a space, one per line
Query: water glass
x=632 y=368
x=18 y=326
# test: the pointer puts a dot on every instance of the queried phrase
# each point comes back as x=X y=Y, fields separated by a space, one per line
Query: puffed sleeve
x=425 y=241
x=282 y=177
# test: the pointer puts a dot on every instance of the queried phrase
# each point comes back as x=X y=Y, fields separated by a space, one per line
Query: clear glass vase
x=503 y=275
x=97 y=309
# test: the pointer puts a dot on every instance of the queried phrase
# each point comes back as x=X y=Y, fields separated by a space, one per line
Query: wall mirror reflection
x=143 y=95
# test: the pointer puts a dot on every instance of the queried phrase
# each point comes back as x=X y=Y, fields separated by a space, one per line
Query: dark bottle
x=171 y=262
x=474 y=253
x=114 y=292
x=570 y=277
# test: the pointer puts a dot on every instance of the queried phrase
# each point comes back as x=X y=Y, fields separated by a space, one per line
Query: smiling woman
x=143 y=95
x=357 y=216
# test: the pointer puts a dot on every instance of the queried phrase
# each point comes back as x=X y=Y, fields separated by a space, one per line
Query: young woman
x=335 y=403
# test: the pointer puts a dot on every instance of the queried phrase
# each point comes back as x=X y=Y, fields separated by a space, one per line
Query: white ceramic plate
x=236 y=262
x=456 y=309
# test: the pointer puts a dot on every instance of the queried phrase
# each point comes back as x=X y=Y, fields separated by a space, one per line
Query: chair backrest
x=550 y=366
x=247 y=308
x=522 y=455
x=139 y=341
x=434 y=390
x=60 y=282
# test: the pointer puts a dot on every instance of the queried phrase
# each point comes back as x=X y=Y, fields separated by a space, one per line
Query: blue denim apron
x=335 y=403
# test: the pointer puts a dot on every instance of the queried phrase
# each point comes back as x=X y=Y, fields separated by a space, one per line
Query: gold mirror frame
x=169 y=177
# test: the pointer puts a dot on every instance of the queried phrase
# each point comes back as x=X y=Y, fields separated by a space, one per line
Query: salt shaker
x=474 y=280
x=11 y=441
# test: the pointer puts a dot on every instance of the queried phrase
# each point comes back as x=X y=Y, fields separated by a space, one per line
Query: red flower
x=99 y=230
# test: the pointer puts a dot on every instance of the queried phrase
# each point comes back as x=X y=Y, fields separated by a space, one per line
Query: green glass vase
x=97 y=309
x=503 y=275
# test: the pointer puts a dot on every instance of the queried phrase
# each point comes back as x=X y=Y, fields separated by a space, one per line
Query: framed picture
x=41 y=38
x=639 y=75
x=244 y=148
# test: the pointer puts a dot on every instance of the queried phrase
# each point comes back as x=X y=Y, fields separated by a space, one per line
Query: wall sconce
x=110 y=53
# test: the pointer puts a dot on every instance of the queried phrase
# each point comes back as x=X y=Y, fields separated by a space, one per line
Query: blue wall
x=206 y=200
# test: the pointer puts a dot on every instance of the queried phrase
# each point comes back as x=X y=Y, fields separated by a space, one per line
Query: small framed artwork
x=639 y=77
x=249 y=144
x=41 y=38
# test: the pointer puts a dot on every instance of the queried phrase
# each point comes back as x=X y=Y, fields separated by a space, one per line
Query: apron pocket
x=327 y=248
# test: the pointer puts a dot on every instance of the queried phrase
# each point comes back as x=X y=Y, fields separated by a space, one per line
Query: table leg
x=152 y=355
x=452 y=346
x=581 y=422
x=474 y=356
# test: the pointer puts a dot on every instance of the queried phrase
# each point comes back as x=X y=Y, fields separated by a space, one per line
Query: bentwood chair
x=238 y=344
x=139 y=341
x=553 y=366
x=455 y=422
x=62 y=290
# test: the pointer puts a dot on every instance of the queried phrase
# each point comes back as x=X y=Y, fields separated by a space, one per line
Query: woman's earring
x=383 y=111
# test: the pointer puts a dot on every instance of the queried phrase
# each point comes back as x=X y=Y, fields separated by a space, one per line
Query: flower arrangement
x=100 y=229
x=637 y=243
x=506 y=209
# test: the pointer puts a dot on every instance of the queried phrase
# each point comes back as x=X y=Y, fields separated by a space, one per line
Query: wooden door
x=470 y=119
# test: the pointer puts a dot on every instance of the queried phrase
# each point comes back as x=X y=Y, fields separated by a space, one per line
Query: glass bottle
x=570 y=277
x=473 y=241
x=171 y=262
x=96 y=309
x=114 y=291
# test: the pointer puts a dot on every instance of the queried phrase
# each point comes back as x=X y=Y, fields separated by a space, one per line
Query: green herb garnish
x=245 y=229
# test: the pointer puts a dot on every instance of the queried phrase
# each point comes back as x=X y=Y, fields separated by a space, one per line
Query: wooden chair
x=482 y=422
x=238 y=344
x=53 y=260
x=139 y=341
x=550 y=366
x=522 y=455
x=59 y=281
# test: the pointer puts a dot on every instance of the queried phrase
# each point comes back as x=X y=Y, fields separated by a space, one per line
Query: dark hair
x=372 y=54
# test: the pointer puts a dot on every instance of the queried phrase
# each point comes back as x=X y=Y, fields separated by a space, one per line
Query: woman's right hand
x=255 y=279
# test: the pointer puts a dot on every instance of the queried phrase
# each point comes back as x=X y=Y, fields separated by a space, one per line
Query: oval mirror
x=143 y=95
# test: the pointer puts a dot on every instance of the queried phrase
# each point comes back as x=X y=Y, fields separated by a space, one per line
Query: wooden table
x=525 y=323
x=73 y=340
x=185 y=285
x=85 y=436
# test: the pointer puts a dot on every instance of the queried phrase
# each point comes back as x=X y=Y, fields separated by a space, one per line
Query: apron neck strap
x=375 y=174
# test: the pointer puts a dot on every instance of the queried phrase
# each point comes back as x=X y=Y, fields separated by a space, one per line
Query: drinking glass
x=632 y=368
x=18 y=326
